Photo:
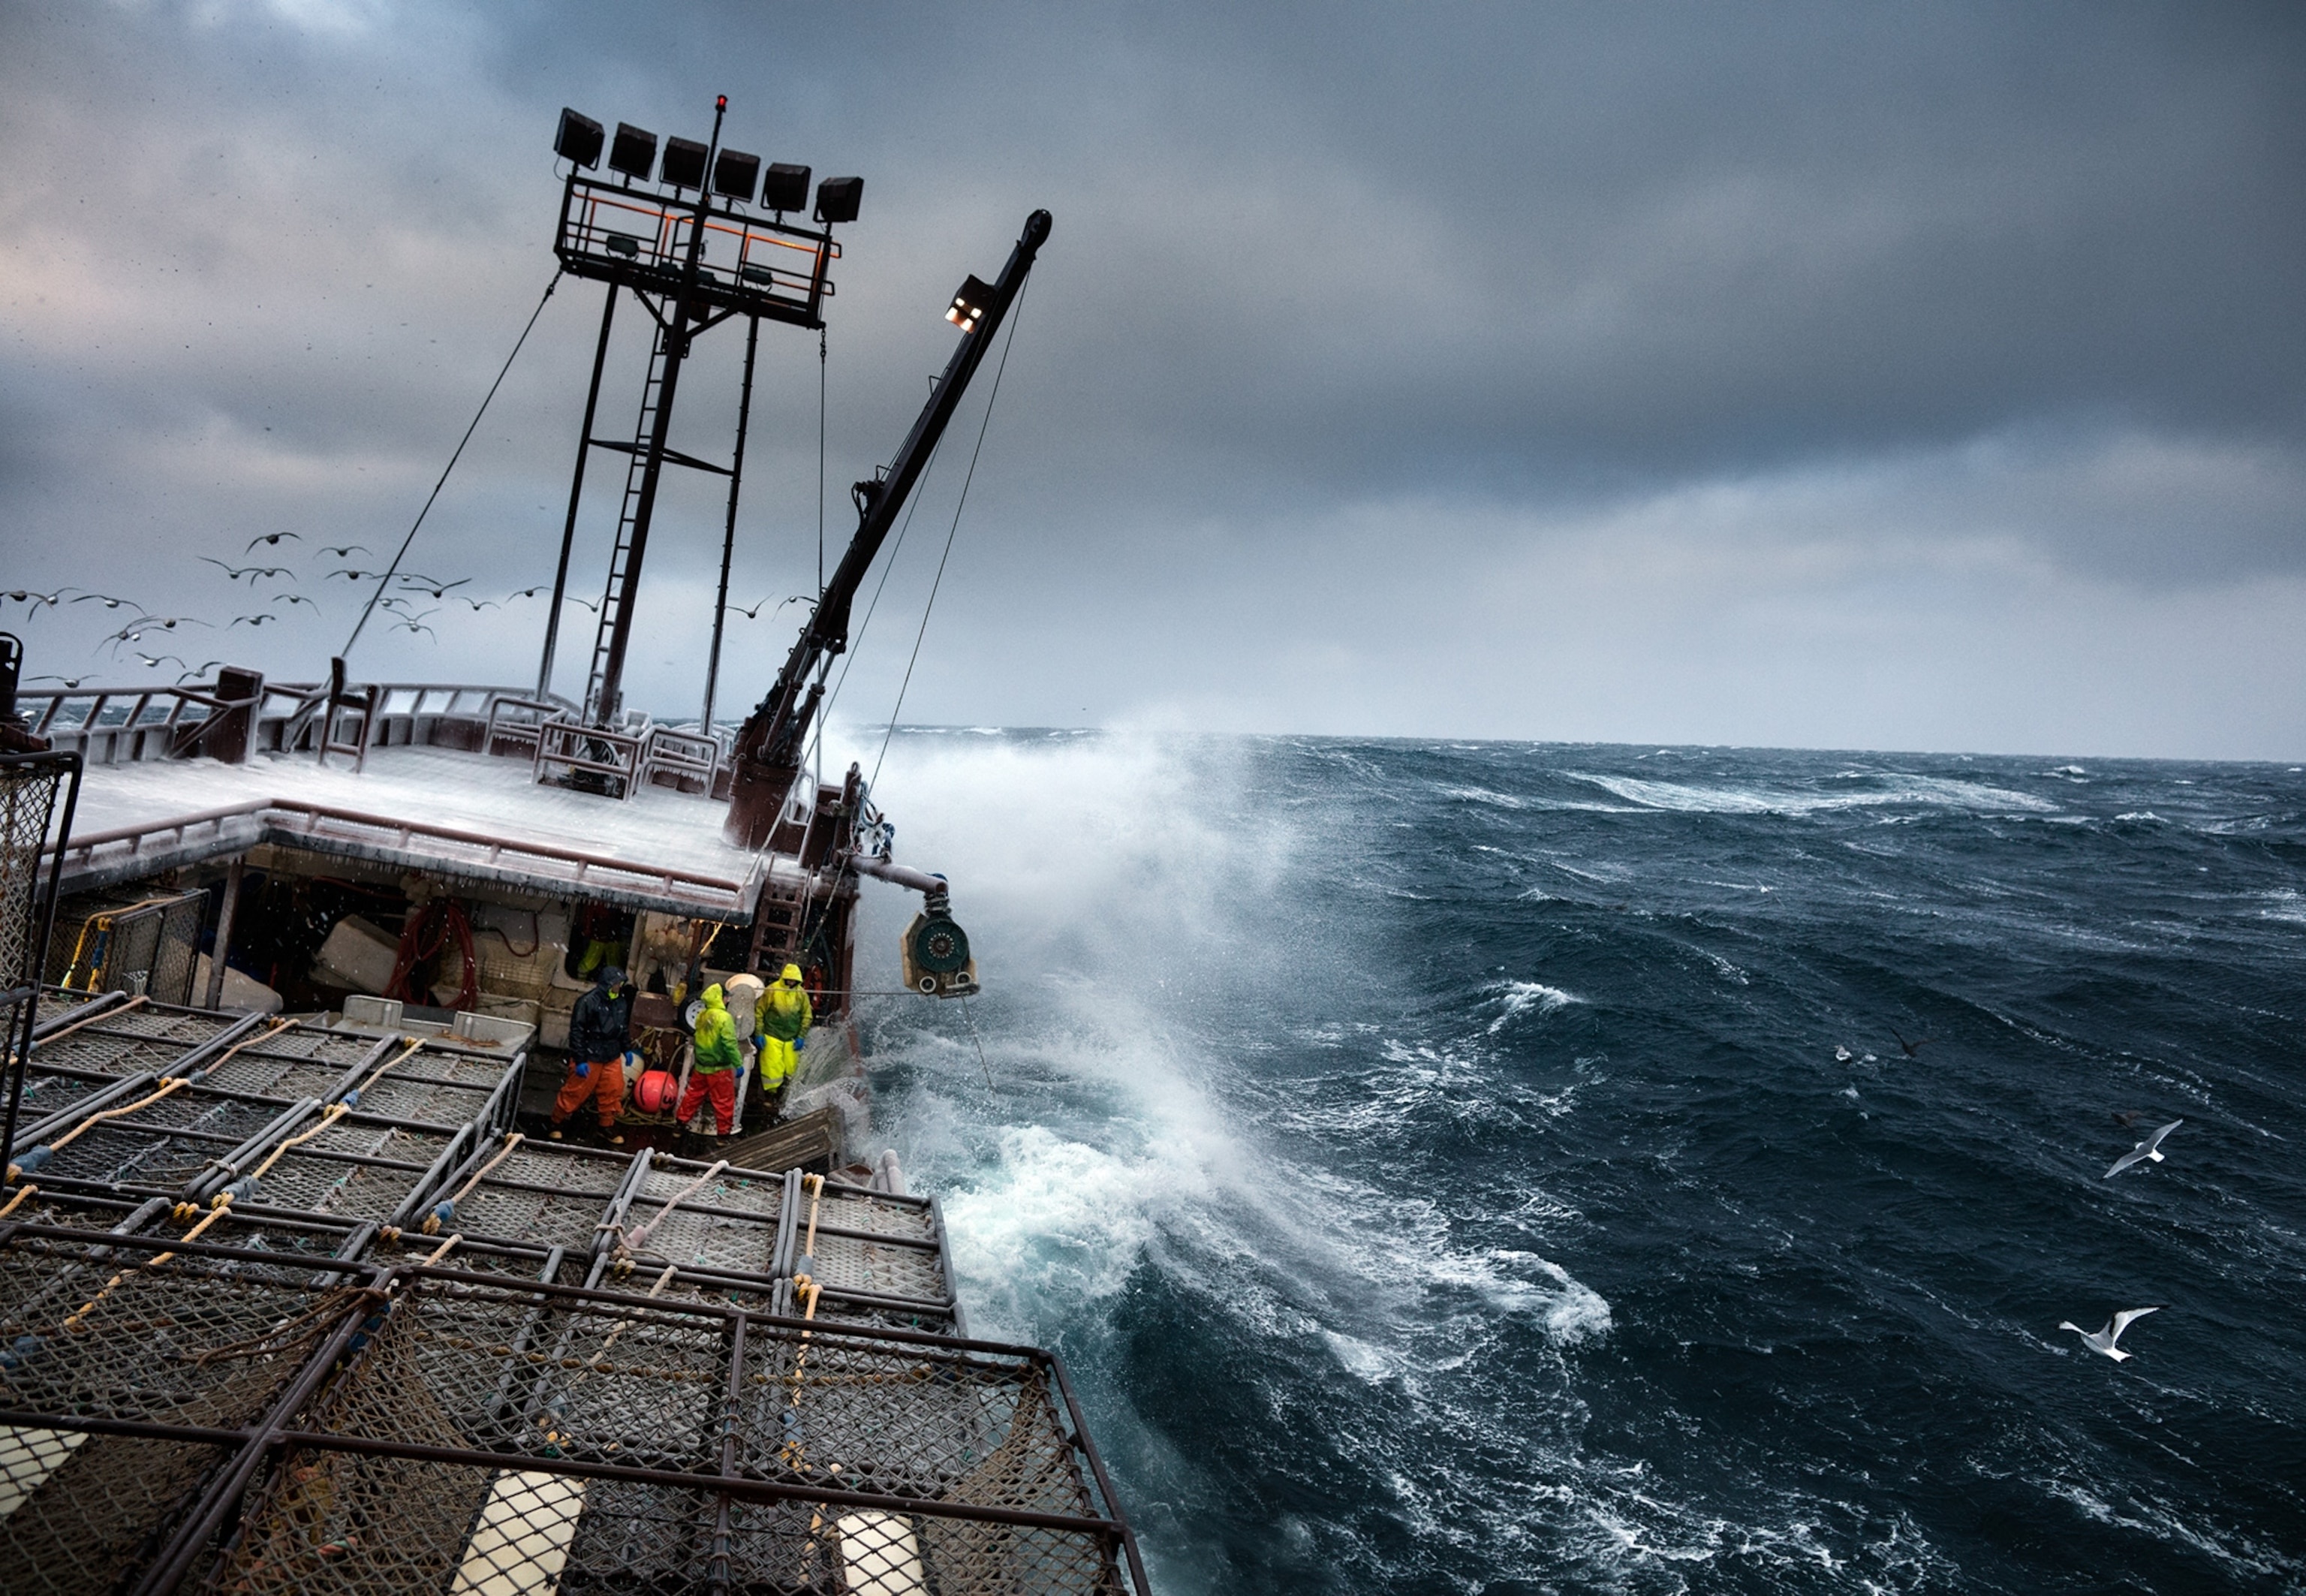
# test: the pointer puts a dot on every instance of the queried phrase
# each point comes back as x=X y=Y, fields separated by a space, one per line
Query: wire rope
x=370 y=608
x=1016 y=315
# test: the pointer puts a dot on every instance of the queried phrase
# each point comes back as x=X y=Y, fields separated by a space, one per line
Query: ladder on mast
x=597 y=714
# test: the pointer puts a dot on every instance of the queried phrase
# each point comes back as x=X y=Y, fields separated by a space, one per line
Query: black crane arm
x=769 y=745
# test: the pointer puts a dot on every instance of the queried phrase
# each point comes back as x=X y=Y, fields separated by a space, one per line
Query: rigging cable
x=1016 y=314
x=370 y=608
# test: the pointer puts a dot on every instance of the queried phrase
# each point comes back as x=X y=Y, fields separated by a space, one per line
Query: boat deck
x=423 y=807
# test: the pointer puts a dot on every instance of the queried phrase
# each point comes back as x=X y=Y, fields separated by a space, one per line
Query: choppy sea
x=1438 y=1164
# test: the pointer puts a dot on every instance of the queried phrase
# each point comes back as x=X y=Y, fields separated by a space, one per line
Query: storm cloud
x=1821 y=374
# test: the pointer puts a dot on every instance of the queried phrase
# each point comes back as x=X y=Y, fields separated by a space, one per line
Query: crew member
x=600 y=1035
x=784 y=1016
x=714 y=1075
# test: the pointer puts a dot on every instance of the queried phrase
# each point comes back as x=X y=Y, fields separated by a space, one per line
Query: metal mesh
x=740 y=1190
x=141 y=943
x=112 y=1046
x=546 y=1383
x=186 y=1341
x=28 y=797
x=434 y=1102
x=357 y=1188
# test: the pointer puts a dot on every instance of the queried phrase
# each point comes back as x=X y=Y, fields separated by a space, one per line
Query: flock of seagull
x=2147 y=1151
x=409 y=589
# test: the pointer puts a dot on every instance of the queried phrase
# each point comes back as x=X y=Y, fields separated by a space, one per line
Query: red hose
x=426 y=932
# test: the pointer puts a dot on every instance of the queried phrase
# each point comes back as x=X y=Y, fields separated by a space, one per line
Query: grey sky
x=1863 y=376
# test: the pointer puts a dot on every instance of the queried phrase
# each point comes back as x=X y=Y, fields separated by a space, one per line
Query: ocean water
x=1434 y=1162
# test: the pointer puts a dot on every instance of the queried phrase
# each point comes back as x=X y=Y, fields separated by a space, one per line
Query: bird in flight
x=69 y=682
x=418 y=625
x=754 y=613
x=478 y=604
x=271 y=540
x=30 y=599
x=432 y=585
x=154 y=662
x=1913 y=1049
x=2128 y=1116
x=292 y=598
x=357 y=576
x=143 y=624
x=199 y=672
x=525 y=593
x=257 y=619
x=347 y=551
x=2104 y=1340
x=235 y=572
x=588 y=604
x=108 y=601
x=2152 y=1147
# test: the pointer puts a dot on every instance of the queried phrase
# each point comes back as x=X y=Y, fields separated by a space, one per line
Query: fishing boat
x=293 y=1294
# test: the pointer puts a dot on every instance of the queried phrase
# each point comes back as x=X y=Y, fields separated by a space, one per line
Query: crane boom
x=770 y=744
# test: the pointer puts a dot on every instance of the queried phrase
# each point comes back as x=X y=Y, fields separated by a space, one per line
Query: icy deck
x=422 y=807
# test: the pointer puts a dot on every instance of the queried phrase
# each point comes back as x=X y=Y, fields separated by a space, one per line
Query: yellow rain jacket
x=784 y=1016
x=716 y=1035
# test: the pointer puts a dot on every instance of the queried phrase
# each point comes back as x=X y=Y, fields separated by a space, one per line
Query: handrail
x=498 y=846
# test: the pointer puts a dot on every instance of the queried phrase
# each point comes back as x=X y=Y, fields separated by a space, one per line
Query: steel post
x=214 y=996
x=728 y=533
x=575 y=491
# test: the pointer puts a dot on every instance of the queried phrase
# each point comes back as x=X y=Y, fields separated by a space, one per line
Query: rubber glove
x=583 y=1069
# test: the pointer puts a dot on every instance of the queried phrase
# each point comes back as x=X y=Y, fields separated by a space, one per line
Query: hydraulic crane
x=772 y=744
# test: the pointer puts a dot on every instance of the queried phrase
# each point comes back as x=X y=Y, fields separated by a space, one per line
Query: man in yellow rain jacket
x=713 y=1076
x=784 y=1016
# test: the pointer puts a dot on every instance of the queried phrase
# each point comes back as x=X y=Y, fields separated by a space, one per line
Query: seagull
x=26 y=596
x=2152 y=1147
x=109 y=603
x=235 y=572
x=2128 y=1116
x=1842 y=1056
x=347 y=551
x=478 y=604
x=272 y=540
x=257 y=619
x=357 y=576
x=2103 y=1341
x=292 y=598
x=754 y=613
x=588 y=604
x=439 y=590
x=69 y=682
x=410 y=626
x=1913 y=1048
x=154 y=662
x=198 y=672
x=525 y=593
x=148 y=623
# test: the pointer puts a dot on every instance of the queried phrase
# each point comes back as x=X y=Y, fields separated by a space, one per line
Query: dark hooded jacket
x=601 y=1025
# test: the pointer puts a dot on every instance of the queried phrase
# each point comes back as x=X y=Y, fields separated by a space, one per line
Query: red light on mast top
x=721 y=103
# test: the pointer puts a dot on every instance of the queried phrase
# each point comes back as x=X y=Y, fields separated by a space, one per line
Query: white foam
x=1923 y=791
x=1519 y=997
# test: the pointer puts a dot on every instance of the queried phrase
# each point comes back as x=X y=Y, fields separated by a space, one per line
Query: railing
x=126 y=725
x=329 y=829
x=640 y=240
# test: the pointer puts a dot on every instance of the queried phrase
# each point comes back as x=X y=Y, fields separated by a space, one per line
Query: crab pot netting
x=115 y=1045
x=27 y=798
x=548 y=1197
x=120 y=1333
x=163 y=1147
x=545 y=1382
x=358 y=1167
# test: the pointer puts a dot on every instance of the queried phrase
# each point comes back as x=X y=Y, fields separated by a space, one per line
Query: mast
x=768 y=754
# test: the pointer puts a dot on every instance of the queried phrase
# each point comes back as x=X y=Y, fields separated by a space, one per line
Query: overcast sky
x=1895 y=377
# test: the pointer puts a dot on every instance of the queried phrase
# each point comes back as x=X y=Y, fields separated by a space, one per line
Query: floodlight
x=786 y=188
x=735 y=175
x=684 y=163
x=969 y=305
x=580 y=138
x=837 y=198
x=634 y=151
